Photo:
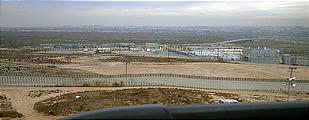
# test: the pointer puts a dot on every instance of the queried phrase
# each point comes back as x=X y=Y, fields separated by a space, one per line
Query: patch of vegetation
x=17 y=39
x=92 y=100
x=286 y=45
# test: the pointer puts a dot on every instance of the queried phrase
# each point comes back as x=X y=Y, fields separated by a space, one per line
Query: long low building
x=228 y=53
x=261 y=55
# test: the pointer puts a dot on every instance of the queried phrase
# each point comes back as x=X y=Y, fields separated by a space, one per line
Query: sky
x=33 y=13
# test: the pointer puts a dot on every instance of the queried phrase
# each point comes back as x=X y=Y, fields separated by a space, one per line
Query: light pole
x=110 y=50
x=291 y=81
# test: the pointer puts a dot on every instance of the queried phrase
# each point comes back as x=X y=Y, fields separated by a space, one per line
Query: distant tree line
x=19 y=39
x=16 y=39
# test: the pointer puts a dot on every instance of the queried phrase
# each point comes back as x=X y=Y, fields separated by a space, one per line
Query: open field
x=94 y=64
x=23 y=101
x=15 y=62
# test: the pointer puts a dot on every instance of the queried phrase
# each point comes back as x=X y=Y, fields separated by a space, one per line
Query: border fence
x=157 y=79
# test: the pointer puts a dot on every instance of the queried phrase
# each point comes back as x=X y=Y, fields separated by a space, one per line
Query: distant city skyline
x=141 y=13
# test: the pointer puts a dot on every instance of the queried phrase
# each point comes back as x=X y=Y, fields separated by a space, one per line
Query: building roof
x=127 y=44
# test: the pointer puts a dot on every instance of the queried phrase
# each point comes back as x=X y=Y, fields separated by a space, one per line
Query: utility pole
x=126 y=65
x=110 y=50
x=290 y=81
x=217 y=53
x=168 y=53
x=296 y=58
x=119 y=48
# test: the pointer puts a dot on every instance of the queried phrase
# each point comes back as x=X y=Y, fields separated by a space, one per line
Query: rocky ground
x=6 y=109
x=39 y=93
x=25 y=62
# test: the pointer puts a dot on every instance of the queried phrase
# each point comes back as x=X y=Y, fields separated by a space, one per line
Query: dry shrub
x=115 y=84
x=87 y=84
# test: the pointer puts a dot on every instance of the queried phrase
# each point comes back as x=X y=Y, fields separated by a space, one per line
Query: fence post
x=9 y=81
x=1 y=80
x=4 y=80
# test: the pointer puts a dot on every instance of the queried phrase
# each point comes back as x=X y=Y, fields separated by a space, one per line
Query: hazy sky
x=208 y=13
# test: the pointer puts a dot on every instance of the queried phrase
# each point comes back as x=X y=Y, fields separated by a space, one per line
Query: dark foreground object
x=10 y=113
x=265 y=111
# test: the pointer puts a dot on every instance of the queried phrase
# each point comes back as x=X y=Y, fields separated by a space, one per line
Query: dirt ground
x=240 y=70
x=24 y=61
x=27 y=62
x=23 y=102
x=94 y=64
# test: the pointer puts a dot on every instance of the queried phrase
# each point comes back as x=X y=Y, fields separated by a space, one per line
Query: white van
x=227 y=101
x=85 y=50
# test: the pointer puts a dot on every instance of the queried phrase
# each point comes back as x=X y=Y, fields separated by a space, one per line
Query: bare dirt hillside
x=91 y=100
x=23 y=99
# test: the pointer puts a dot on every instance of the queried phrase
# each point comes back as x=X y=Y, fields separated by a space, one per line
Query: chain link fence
x=87 y=80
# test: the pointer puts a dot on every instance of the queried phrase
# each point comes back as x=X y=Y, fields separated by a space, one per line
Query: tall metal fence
x=149 y=80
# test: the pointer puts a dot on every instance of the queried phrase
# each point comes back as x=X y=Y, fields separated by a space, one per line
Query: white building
x=228 y=53
x=152 y=47
x=103 y=50
x=134 y=49
x=260 y=55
